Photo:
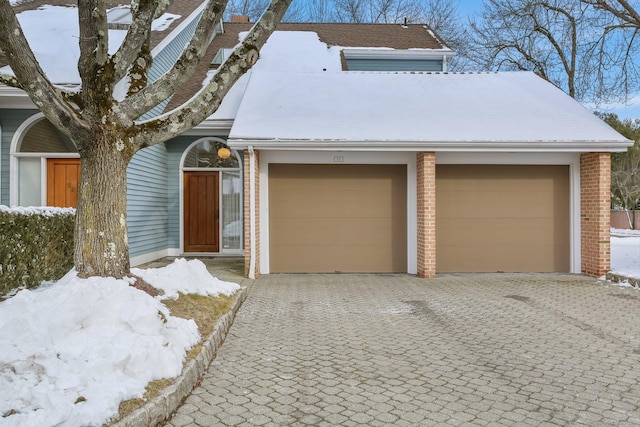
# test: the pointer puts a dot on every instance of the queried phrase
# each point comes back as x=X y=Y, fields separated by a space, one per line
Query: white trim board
x=339 y=157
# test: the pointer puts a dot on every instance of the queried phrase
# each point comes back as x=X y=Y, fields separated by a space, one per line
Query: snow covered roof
x=317 y=46
x=52 y=32
x=508 y=111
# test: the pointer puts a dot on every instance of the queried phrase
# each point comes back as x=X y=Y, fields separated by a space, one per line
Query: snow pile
x=171 y=279
x=36 y=210
x=72 y=351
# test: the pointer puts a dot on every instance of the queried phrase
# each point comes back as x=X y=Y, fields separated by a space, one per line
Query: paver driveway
x=494 y=349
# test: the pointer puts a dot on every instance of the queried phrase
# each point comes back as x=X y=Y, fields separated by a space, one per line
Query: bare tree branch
x=210 y=97
x=30 y=77
x=143 y=12
x=139 y=103
x=574 y=45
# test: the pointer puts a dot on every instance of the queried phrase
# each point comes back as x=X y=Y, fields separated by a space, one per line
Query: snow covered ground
x=71 y=351
x=625 y=252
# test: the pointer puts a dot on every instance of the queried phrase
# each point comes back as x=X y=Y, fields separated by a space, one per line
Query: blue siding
x=10 y=120
x=394 y=65
x=147 y=200
x=165 y=59
x=150 y=200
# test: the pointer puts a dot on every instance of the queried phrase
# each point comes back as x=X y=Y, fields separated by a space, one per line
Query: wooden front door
x=201 y=212
x=63 y=178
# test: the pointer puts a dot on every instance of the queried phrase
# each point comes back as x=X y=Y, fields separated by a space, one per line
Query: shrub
x=36 y=244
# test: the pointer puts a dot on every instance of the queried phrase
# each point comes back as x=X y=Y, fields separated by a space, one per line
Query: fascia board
x=207 y=126
x=363 y=53
x=455 y=146
x=176 y=31
x=11 y=97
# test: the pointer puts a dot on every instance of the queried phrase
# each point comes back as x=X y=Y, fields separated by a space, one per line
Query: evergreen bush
x=36 y=244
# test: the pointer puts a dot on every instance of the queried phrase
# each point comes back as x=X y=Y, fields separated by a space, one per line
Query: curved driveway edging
x=161 y=407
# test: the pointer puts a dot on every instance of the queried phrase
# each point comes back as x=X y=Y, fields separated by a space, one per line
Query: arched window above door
x=212 y=154
x=44 y=165
x=43 y=137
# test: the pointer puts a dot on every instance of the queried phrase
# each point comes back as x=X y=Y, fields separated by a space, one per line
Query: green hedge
x=36 y=244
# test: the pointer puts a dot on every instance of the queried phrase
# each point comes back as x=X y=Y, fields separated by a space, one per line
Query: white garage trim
x=409 y=158
x=570 y=159
x=337 y=157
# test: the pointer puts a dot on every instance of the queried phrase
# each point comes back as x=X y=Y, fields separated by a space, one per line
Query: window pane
x=43 y=137
x=232 y=225
x=210 y=154
x=29 y=180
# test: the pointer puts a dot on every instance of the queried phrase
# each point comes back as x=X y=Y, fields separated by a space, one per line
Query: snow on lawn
x=625 y=252
x=71 y=351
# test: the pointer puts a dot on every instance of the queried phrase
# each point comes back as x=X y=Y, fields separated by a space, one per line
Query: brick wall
x=595 y=193
x=426 y=186
x=247 y=214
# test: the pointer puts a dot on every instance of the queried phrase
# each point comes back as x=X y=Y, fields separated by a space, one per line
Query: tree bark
x=102 y=247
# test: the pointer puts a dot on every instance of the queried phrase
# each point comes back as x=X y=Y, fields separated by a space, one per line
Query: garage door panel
x=500 y=231
x=491 y=204
x=335 y=204
x=466 y=177
x=502 y=218
x=327 y=218
x=327 y=231
x=332 y=259
x=302 y=177
x=525 y=258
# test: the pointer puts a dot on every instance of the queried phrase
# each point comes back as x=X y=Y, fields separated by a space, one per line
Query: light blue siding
x=394 y=65
x=165 y=59
x=147 y=216
x=151 y=205
x=10 y=120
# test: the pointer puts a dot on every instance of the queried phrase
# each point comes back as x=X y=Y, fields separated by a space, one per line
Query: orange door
x=63 y=178
x=201 y=213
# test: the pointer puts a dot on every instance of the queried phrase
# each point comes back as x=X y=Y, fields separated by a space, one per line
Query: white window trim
x=183 y=169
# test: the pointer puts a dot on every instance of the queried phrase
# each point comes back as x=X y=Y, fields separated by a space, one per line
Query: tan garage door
x=337 y=218
x=502 y=218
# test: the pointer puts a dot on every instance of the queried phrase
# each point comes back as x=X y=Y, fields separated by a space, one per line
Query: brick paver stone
x=491 y=349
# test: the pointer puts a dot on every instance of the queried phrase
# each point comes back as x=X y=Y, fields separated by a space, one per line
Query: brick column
x=247 y=214
x=426 y=215
x=595 y=194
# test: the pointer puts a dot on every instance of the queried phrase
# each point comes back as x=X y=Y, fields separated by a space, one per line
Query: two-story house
x=350 y=148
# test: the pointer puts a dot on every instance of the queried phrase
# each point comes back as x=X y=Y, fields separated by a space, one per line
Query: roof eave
x=366 y=53
x=211 y=125
x=440 y=146
x=14 y=98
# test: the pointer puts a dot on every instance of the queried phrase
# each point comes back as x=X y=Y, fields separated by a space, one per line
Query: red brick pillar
x=595 y=194
x=247 y=213
x=426 y=186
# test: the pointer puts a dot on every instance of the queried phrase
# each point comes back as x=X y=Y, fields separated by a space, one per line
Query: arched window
x=212 y=154
x=45 y=165
x=43 y=137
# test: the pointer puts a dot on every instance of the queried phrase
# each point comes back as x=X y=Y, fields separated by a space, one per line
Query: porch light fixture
x=224 y=153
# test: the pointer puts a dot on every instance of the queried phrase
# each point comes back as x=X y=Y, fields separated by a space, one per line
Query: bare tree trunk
x=102 y=248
